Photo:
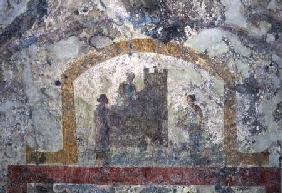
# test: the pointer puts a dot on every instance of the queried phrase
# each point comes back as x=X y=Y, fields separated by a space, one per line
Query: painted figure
x=102 y=131
x=127 y=89
x=192 y=122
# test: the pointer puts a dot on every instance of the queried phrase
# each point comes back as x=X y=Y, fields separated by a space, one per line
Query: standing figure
x=102 y=131
x=192 y=122
x=127 y=89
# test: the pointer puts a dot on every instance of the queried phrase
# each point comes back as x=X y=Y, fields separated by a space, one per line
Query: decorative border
x=20 y=176
x=69 y=153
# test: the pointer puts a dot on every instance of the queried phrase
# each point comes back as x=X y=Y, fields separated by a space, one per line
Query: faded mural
x=164 y=96
x=151 y=109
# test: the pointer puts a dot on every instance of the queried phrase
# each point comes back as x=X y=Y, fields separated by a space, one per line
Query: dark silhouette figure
x=102 y=131
x=127 y=89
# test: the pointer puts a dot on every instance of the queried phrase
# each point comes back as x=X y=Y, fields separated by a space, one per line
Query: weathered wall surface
x=40 y=38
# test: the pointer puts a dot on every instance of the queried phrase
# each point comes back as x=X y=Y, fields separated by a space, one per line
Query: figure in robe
x=127 y=90
x=102 y=140
x=192 y=122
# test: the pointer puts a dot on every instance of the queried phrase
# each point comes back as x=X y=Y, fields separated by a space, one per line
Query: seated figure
x=127 y=90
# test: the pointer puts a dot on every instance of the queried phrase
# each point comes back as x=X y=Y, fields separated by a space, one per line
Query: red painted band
x=270 y=178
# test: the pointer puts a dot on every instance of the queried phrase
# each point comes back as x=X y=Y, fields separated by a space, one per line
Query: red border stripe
x=19 y=176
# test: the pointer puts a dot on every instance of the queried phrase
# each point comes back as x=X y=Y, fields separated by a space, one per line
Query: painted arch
x=69 y=153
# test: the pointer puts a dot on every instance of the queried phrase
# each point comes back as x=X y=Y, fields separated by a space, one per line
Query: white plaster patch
x=272 y=5
x=235 y=13
x=44 y=131
x=100 y=42
x=243 y=67
x=267 y=106
x=66 y=49
x=260 y=30
x=211 y=40
x=8 y=15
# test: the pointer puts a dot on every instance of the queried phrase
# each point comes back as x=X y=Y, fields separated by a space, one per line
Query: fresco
x=152 y=111
x=146 y=119
x=165 y=96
